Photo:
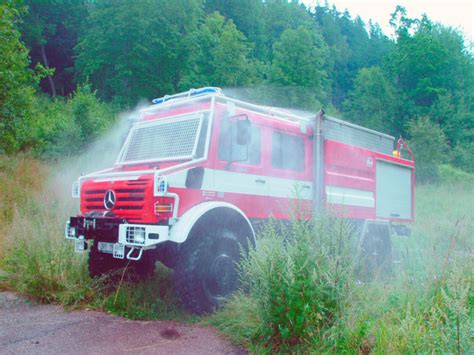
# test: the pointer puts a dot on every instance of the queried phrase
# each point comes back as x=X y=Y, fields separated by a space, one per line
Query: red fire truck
x=199 y=170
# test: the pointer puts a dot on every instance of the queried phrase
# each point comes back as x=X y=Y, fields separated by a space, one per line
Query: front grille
x=130 y=197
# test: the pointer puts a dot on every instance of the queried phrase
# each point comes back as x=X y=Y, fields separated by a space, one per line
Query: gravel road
x=30 y=328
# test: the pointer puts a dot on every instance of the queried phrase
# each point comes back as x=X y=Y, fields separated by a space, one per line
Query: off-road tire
x=207 y=272
x=103 y=264
x=376 y=251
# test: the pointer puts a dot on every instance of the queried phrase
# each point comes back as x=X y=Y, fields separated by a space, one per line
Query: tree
x=221 y=55
x=351 y=48
x=434 y=76
x=299 y=60
x=49 y=29
x=428 y=61
x=248 y=16
x=16 y=83
x=429 y=145
x=371 y=102
x=134 y=50
x=280 y=15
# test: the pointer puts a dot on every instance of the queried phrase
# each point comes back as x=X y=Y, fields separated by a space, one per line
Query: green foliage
x=248 y=16
x=38 y=260
x=299 y=59
x=298 y=279
x=65 y=127
x=451 y=175
x=428 y=142
x=433 y=72
x=463 y=156
x=49 y=29
x=132 y=52
x=371 y=102
x=16 y=82
x=221 y=55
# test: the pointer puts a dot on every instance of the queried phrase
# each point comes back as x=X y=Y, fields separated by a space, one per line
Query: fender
x=180 y=231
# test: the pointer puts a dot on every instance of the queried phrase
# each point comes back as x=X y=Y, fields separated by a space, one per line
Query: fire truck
x=199 y=171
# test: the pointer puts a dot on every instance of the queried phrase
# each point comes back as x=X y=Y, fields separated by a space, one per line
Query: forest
x=68 y=67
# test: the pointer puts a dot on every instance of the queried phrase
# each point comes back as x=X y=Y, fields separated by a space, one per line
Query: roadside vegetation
x=304 y=295
x=301 y=289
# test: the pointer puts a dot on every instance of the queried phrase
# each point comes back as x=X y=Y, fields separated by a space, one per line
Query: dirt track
x=26 y=327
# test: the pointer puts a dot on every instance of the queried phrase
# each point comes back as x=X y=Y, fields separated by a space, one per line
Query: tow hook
x=138 y=256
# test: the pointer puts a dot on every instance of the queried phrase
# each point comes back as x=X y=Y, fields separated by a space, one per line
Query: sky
x=455 y=13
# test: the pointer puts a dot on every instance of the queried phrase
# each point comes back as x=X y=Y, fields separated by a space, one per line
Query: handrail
x=401 y=143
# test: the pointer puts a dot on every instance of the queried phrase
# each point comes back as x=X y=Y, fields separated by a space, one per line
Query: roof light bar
x=192 y=92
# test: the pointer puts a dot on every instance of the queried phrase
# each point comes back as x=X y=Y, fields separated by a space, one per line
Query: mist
x=99 y=154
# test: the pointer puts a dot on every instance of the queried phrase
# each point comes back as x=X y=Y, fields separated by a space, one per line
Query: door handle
x=306 y=187
x=260 y=181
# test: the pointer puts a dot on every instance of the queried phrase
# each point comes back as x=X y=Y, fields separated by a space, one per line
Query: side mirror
x=243 y=132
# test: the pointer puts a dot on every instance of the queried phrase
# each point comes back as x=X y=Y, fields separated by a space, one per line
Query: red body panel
x=345 y=166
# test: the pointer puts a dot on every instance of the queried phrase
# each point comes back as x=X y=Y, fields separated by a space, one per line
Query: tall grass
x=38 y=260
x=302 y=294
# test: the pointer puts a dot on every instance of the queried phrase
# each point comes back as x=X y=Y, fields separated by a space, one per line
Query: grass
x=425 y=306
x=300 y=294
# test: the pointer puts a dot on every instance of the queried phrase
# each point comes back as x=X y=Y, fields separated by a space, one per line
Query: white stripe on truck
x=351 y=197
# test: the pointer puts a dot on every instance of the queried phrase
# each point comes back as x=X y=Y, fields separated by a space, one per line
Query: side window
x=202 y=138
x=230 y=150
x=288 y=152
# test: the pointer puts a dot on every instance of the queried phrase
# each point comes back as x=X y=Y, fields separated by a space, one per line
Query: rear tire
x=375 y=250
x=207 y=273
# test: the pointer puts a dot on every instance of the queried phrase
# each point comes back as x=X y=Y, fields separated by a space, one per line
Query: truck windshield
x=166 y=139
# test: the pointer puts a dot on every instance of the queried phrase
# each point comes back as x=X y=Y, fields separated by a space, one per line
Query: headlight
x=69 y=232
x=135 y=235
x=161 y=185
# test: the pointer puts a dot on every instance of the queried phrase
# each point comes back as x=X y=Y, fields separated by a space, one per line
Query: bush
x=463 y=156
x=451 y=175
x=298 y=279
x=429 y=145
x=66 y=126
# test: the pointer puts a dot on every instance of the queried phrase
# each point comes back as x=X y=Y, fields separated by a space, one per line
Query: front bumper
x=118 y=237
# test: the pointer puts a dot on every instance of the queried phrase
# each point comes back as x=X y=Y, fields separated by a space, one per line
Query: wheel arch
x=222 y=212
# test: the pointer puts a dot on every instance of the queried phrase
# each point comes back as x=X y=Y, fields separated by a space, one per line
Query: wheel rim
x=221 y=278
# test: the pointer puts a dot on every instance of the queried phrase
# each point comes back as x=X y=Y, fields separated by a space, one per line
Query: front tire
x=207 y=273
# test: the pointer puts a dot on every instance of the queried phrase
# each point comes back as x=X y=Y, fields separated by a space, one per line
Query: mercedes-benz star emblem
x=109 y=199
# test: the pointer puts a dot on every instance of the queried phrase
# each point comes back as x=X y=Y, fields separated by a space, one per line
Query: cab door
x=239 y=172
x=290 y=170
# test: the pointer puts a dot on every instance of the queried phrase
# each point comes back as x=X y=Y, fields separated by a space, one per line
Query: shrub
x=451 y=175
x=429 y=145
x=298 y=278
x=66 y=126
x=463 y=156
